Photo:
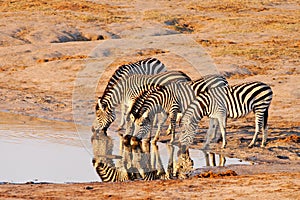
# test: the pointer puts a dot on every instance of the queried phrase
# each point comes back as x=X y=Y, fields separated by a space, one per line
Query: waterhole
x=37 y=150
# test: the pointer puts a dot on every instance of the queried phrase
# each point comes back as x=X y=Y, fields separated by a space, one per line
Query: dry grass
x=86 y=11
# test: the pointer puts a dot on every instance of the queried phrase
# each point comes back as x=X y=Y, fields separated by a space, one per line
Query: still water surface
x=37 y=150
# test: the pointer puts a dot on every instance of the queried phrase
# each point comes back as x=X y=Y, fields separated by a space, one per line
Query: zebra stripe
x=111 y=174
x=126 y=91
x=233 y=102
x=141 y=165
x=146 y=66
x=171 y=99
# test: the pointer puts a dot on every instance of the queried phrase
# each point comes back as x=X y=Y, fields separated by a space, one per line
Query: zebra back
x=180 y=93
x=207 y=82
x=246 y=97
x=137 y=84
x=145 y=66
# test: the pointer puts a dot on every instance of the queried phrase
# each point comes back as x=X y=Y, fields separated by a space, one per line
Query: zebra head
x=187 y=131
x=104 y=117
x=184 y=165
x=143 y=126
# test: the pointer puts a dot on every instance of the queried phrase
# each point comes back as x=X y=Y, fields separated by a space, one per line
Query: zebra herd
x=145 y=89
x=143 y=162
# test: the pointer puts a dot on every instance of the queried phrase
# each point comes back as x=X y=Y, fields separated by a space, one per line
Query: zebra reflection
x=140 y=162
x=210 y=159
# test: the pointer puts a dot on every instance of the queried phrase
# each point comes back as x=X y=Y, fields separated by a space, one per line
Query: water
x=36 y=150
x=40 y=161
x=168 y=160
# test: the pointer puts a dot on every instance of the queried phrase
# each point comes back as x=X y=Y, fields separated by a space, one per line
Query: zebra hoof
x=250 y=146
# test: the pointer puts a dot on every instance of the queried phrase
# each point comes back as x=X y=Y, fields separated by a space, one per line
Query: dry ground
x=44 y=44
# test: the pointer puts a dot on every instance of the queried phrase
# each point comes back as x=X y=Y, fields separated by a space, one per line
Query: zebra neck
x=114 y=96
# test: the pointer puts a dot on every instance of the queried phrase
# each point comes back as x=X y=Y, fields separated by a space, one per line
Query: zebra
x=146 y=66
x=143 y=162
x=210 y=159
x=126 y=91
x=171 y=99
x=109 y=173
x=234 y=102
x=138 y=164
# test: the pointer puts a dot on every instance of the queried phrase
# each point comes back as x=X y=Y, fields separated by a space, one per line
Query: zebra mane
x=137 y=108
x=205 y=83
x=101 y=104
x=123 y=72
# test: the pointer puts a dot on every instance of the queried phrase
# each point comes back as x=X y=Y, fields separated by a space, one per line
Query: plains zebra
x=144 y=163
x=210 y=159
x=126 y=91
x=109 y=173
x=233 y=102
x=171 y=99
x=138 y=163
x=146 y=66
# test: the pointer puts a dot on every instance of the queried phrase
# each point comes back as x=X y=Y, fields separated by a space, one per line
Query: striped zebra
x=171 y=99
x=109 y=173
x=138 y=164
x=146 y=165
x=233 y=102
x=184 y=165
x=126 y=92
x=210 y=159
x=146 y=66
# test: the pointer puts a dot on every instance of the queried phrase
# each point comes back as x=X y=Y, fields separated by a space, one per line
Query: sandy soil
x=44 y=44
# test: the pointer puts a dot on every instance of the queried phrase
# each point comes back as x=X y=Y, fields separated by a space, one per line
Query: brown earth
x=44 y=44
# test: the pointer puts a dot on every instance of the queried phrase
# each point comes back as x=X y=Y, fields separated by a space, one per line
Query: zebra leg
x=155 y=121
x=265 y=129
x=123 y=117
x=158 y=163
x=222 y=124
x=222 y=160
x=258 y=127
x=160 y=125
x=211 y=132
x=171 y=161
x=173 y=118
x=148 y=138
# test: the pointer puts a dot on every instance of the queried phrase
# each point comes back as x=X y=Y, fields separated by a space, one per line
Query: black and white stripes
x=233 y=102
x=126 y=91
x=171 y=93
x=171 y=99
